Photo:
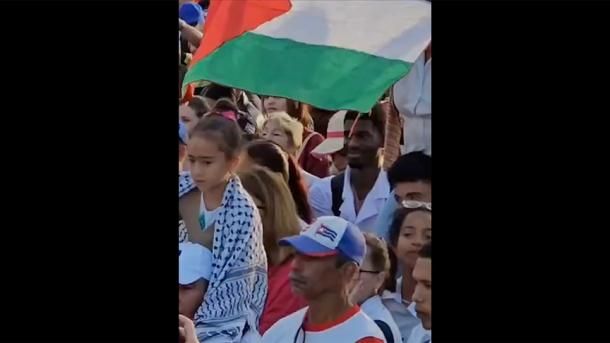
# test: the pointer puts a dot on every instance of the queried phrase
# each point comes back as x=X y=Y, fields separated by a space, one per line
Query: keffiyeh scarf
x=185 y=183
x=238 y=285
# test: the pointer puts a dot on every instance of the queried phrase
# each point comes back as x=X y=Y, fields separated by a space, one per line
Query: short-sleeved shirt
x=353 y=326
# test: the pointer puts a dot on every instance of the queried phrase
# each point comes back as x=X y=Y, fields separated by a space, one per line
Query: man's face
x=190 y=298
x=313 y=276
x=422 y=296
x=417 y=191
x=363 y=145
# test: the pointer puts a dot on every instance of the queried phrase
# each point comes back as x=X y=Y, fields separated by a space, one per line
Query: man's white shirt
x=290 y=329
x=320 y=199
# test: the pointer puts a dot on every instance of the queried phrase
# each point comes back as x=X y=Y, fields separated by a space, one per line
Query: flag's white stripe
x=396 y=29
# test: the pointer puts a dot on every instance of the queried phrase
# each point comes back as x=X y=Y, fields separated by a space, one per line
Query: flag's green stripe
x=326 y=77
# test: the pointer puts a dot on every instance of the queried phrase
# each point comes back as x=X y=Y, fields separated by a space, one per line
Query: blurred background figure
x=280 y=220
x=267 y=154
x=369 y=285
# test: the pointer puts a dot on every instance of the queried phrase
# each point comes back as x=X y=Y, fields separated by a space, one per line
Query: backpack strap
x=385 y=328
x=336 y=189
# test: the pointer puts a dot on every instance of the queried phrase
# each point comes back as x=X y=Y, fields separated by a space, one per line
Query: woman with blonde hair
x=279 y=216
x=287 y=132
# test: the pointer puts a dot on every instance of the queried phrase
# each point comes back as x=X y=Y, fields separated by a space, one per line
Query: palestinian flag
x=332 y=54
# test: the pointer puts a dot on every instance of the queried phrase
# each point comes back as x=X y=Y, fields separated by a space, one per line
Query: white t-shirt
x=374 y=308
x=352 y=329
x=206 y=217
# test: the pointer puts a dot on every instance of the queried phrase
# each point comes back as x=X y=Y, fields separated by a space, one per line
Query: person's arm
x=191 y=34
x=189 y=210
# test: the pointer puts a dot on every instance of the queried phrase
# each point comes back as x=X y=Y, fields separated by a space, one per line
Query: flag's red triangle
x=228 y=19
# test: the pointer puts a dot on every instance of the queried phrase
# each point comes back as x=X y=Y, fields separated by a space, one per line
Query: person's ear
x=350 y=270
x=233 y=163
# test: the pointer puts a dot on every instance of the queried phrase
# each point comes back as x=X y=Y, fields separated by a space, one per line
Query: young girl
x=287 y=132
x=232 y=229
x=280 y=220
x=410 y=230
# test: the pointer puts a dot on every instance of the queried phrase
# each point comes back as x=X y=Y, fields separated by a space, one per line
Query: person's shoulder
x=321 y=184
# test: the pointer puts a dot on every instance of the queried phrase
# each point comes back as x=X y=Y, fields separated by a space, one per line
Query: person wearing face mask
x=369 y=285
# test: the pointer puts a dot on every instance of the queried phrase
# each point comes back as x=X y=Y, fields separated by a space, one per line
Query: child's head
x=284 y=130
x=213 y=151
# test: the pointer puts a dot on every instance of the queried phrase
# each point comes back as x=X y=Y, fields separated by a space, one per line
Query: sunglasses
x=417 y=204
x=370 y=271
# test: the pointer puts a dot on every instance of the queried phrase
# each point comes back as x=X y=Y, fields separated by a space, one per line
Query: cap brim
x=328 y=146
x=307 y=246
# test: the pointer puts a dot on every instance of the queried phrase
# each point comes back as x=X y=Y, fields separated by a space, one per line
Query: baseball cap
x=191 y=13
x=194 y=263
x=182 y=133
x=328 y=236
x=335 y=135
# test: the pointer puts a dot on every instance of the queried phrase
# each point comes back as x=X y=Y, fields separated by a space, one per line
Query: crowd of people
x=301 y=224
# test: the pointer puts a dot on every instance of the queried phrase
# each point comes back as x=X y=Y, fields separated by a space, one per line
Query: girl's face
x=209 y=166
x=272 y=104
x=416 y=230
x=188 y=117
x=273 y=132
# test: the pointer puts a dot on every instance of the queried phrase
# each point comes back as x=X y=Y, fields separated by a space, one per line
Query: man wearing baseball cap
x=328 y=257
x=194 y=269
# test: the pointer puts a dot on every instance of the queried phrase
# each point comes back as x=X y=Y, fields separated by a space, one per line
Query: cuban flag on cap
x=328 y=236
